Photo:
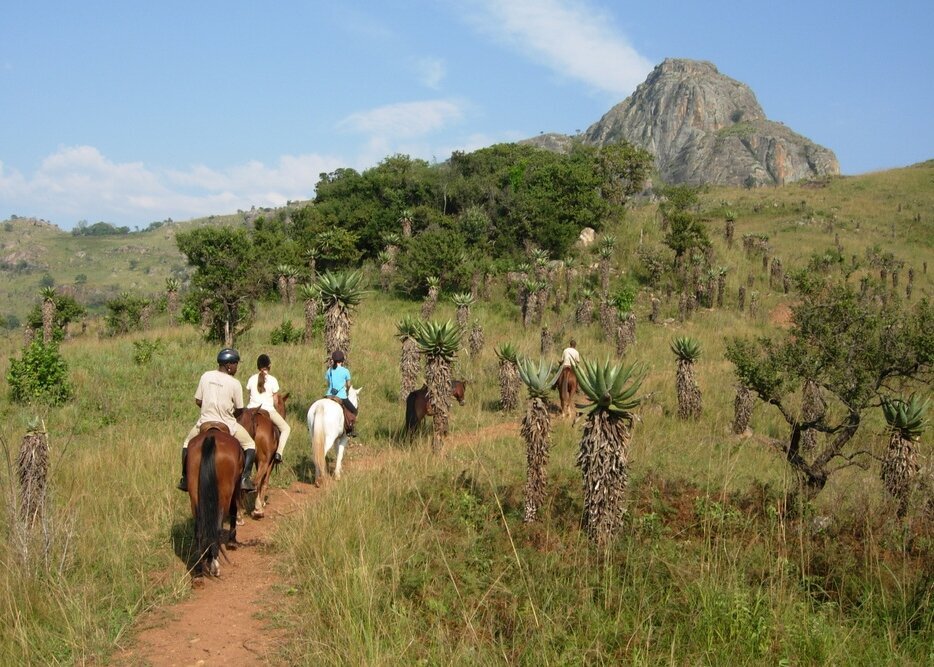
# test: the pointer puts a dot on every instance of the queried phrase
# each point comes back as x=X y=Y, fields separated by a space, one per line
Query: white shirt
x=264 y=399
x=570 y=357
x=220 y=394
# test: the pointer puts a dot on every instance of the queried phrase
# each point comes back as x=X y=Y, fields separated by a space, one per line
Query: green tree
x=229 y=275
x=67 y=311
x=39 y=376
x=853 y=348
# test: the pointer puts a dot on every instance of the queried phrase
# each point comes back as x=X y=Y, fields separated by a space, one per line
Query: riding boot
x=350 y=421
x=246 y=484
x=183 y=482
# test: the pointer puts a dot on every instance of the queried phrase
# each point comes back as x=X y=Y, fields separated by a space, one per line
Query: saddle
x=210 y=426
x=349 y=418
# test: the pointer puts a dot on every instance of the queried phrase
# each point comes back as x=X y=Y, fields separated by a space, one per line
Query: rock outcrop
x=704 y=127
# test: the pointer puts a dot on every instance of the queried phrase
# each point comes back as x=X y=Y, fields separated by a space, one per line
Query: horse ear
x=285 y=396
x=359 y=389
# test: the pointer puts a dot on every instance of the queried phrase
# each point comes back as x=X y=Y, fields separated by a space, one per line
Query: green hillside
x=427 y=559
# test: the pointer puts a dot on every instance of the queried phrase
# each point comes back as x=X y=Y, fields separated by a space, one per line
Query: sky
x=131 y=112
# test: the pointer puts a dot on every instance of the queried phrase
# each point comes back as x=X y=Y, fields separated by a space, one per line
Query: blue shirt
x=338 y=378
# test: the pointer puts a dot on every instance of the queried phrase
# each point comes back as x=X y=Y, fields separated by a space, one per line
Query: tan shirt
x=220 y=394
x=570 y=357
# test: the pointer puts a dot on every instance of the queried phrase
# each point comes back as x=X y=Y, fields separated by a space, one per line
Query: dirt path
x=187 y=633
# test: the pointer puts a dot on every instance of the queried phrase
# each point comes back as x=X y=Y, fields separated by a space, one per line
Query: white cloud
x=431 y=72
x=403 y=120
x=80 y=183
x=571 y=37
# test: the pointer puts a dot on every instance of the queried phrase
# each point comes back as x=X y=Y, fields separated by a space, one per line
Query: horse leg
x=262 y=482
x=341 y=443
x=232 y=517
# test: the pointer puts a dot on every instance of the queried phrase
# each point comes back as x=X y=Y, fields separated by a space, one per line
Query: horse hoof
x=257 y=514
x=214 y=568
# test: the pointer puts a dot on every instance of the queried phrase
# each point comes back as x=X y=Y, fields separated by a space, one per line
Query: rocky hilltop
x=704 y=127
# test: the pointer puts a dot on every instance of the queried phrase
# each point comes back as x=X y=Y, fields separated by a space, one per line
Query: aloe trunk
x=337 y=328
x=536 y=430
x=409 y=368
x=742 y=409
x=689 y=396
x=438 y=379
x=508 y=385
x=603 y=459
x=476 y=339
x=311 y=306
x=899 y=468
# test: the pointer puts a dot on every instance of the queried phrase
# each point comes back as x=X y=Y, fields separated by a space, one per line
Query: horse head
x=352 y=394
x=459 y=387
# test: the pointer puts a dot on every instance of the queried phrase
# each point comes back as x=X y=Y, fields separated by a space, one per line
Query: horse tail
x=563 y=382
x=317 y=440
x=208 y=503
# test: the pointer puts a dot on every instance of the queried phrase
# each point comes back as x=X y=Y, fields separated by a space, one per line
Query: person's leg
x=183 y=482
x=350 y=417
x=249 y=453
x=284 y=431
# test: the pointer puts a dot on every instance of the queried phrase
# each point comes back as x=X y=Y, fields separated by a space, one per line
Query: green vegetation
x=698 y=558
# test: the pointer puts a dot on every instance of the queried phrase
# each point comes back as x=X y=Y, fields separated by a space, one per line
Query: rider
x=220 y=398
x=570 y=357
x=338 y=377
x=263 y=388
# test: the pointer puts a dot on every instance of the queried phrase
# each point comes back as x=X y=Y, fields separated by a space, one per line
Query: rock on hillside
x=704 y=127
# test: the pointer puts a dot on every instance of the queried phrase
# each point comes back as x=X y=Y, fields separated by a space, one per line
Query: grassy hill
x=428 y=560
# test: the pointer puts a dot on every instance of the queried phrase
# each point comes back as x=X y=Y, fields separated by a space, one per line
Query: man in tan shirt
x=220 y=397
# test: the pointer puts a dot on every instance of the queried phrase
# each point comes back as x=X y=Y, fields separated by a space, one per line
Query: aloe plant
x=311 y=303
x=409 y=361
x=907 y=420
x=508 y=377
x=340 y=293
x=536 y=431
x=687 y=350
x=439 y=343
x=462 y=302
x=611 y=393
x=431 y=299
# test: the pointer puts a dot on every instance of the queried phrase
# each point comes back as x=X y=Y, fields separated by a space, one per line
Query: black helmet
x=228 y=356
x=337 y=356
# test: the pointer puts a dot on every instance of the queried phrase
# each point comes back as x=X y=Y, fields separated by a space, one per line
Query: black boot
x=183 y=482
x=246 y=484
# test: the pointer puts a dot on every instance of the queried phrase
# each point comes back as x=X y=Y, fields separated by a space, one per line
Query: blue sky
x=136 y=112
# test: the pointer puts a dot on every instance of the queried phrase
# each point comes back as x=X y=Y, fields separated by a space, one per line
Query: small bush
x=145 y=350
x=286 y=334
x=40 y=376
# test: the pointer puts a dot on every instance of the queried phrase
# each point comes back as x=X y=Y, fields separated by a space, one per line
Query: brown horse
x=215 y=460
x=257 y=423
x=417 y=405
x=567 y=390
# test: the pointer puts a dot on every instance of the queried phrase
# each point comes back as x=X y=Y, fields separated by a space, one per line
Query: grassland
x=428 y=561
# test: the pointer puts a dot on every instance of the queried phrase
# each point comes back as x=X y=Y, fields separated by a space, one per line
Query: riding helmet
x=228 y=356
x=337 y=356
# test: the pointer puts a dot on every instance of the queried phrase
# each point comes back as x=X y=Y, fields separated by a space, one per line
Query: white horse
x=326 y=428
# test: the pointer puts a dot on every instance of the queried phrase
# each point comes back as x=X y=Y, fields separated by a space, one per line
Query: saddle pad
x=210 y=426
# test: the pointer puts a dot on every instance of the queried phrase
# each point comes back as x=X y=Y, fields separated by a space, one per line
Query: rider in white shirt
x=570 y=357
x=263 y=388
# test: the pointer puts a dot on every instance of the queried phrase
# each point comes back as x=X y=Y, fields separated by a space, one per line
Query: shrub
x=285 y=334
x=145 y=350
x=40 y=376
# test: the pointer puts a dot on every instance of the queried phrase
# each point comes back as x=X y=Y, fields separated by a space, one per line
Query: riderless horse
x=257 y=423
x=326 y=428
x=214 y=467
x=417 y=406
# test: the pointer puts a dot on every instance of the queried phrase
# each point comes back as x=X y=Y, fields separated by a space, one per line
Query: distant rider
x=570 y=357
x=263 y=389
x=220 y=397
x=338 y=377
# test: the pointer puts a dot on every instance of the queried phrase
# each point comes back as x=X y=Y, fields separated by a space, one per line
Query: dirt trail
x=188 y=634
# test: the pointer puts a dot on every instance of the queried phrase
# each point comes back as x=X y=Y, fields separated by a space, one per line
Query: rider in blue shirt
x=338 y=377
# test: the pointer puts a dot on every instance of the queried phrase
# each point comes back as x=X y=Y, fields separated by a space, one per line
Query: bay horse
x=417 y=406
x=257 y=423
x=215 y=460
x=566 y=382
x=326 y=428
